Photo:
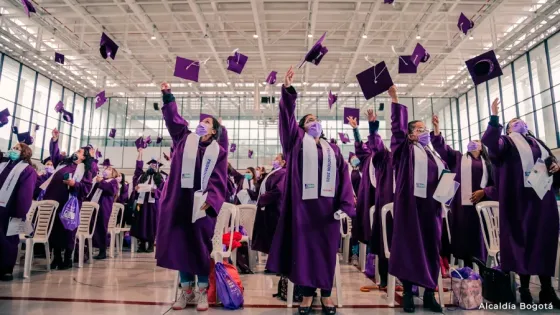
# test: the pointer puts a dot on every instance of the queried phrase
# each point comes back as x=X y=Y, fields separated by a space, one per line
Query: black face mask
x=151 y=171
x=74 y=157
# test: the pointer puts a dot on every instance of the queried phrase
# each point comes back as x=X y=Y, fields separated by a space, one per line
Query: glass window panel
x=522 y=85
x=539 y=72
x=508 y=101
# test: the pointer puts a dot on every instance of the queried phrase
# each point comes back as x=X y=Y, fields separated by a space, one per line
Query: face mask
x=14 y=154
x=520 y=127
x=106 y=174
x=74 y=157
x=473 y=146
x=248 y=176
x=424 y=139
x=314 y=129
x=275 y=164
x=355 y=162
x=202 y=129
x=150 y=171
x=49 y=169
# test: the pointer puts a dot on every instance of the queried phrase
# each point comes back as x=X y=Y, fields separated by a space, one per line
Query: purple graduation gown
x=40 y=180
x=58 y=191
x=17 y=207
x=145 y=225
x=307 y=237
x=109 y=190
x=182 y=245
x=267 y=219
x=355 y=178
x=528 y=225
x=123 y=195
x=466 y=235
x=361 y=227
x=417 y=221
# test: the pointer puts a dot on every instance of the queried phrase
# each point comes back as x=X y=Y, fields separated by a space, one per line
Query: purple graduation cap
x=343 y=137
x=351 y=112
x=107 y=47
x=388 y=1
x=159 y=139
x=316 y=54
x=148 y=140
x=28 y=6
x=187 y=69
x=67 y=116
x=4 y=117
x=419 y=55
x=237 y=62
x=106 y=162
x=232 y=147
x=25 y=137
x=484 y=67
x=59 y=58
x=464 y=24
x=375 y=80
x=166 y=157
x=100 y=99
x=271 y=79
x=98 y=154
x=332 y=99
x=333 y=141
x=112 y=133
x=406 y=65
x=250 y=154
x=204 y=116
x=59 y=107
x=140 y=144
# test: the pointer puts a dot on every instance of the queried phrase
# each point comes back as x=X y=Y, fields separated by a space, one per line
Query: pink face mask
x=473 y=146
x=519 y=126
x=314 y=129
x=202 y=129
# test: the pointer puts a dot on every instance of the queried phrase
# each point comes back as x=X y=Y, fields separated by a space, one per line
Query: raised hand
x=393 y=94
x=435 y=122
x=495 y=108
x=289 y=78
x=371 y=115
x=353 y=122
x=165 y=86
x=55 y=134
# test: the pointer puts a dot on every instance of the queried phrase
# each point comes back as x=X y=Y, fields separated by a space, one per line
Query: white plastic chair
x=346 y=242
x=114 y=228
x=489 y=213
x=31 y=218
x=88 y=213
x=245 y=217
x=337 y=277
x=388 y=208
x=43 y=227
x=363 y=247
x=123 y=231
x=226 y=219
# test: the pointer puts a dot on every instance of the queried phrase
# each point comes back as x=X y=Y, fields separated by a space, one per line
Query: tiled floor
x=132 y=284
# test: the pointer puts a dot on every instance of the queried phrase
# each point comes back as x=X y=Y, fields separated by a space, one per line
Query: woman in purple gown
x=42 y=177
x=466 y=235
x=528 y=222
x=16 y=195
x=72 y=177
x=196 y=191
x=123 y=189
x=147 y=208
x=105 y=195
x=317 y=190
x=268 y=206
x=415 y=246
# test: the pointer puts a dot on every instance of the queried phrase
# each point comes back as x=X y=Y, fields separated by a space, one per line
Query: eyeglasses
x=422 y=130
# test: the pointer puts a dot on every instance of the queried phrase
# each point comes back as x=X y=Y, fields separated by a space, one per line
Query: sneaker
x=202 y=304
x=187 y=297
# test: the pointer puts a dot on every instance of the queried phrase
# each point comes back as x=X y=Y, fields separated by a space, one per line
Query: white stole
x=262 y=189
x=466 y=179
x=526 y=154
x=311 y=169
x=190 y=153
x=11 y=181
x=372 y=178
x=421 y=170
x=142 y=195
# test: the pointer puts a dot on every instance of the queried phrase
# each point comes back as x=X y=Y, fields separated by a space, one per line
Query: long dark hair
x=302 y=126
x=486 y=157
x=216 y=125
x=252 y=169
x=411 y=125
x=88 y=159
x=123 y=182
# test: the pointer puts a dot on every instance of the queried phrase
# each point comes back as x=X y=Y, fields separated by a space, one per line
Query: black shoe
x=328 y=310
x=141 y=247
x=304 y=310
x=431 y=303
x=56 y=262
x=548 y=296
x=7 y=277
x=65 y=265
x=525 y=296
x=408 y=302
x=150 y=247
x=102 y=255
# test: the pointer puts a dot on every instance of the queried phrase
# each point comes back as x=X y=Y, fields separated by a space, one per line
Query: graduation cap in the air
x=156 y=106
x=464 y=24
x=187 y=69
x=59 y=58
x=237 y=62
x=381 y=106
x=106 y=162
x=166 y=157
x=26 y=137
x=4 y=117
x=98 y=154
x=59 y=107
x=317 y=52
x=100 y=99
x=343 y=137
x=419 y=55
x=107 y=47
x=159 y=139
x=148 y=140
x=232 y=147
x=67 y=116
x=271 y=79
x=388 y=1
x=140 y=143
x=484 y=67
x=250 y=154
x=375 y=80
x=28 y=6
x=351 y=112
x=332 y=99
x=112 y=133
x=406 y=65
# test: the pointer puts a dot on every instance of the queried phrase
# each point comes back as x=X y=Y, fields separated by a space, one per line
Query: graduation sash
x=526 y=154
x=311 y=169
x=190 y=153
x=11 y=181
x=142 y=195
x=372 y=178
x=421 y=170
x=466 y=179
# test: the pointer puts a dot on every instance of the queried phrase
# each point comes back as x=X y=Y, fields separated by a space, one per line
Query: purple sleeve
x=345 y=193
x=108 y=187
x=224 y=141
x=399 y=125
x=217 y=185
x=375 y=143
x=361 y=153
x=176 y=125
x=238 y=178
x=24 y=194
x=274 y=194
x=55 y=153
x=491 y=193
x=493 y=141
x=83 y=187
x=449 y=155
x=287 y=121
x=137 y=172
x=94 y=168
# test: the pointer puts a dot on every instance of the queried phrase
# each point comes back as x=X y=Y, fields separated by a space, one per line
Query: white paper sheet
x=446 y=189
x=199 y=200
x=144 y=188
x=244 y=197
x=539 y=179
x=18 y=226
